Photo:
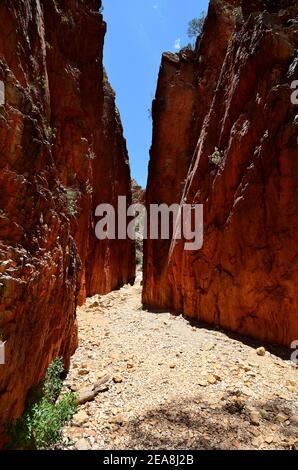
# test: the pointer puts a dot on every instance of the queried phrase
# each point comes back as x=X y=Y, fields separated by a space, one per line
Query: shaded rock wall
x=54 y=170
x=110 y=263
x=244 y=278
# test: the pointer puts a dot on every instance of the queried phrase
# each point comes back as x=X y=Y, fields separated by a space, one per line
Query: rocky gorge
x=172 y=349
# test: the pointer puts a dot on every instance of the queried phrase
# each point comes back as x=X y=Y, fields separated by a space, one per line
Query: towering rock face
x=111 y=263
x=138 y=197
x=244 y=279
x=86 y=124
x=54 y=169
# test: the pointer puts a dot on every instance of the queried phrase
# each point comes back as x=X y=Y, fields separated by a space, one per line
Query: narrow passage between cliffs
x=164 y=384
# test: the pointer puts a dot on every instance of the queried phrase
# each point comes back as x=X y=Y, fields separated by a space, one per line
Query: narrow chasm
x=114 y=343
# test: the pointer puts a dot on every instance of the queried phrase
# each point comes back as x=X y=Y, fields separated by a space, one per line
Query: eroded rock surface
x=236 y=100
x=54 y=169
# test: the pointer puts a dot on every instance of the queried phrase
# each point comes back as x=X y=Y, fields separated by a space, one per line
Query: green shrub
x=91 y=155
x=51 y=133
x=216 y=157
x=41 y=425
x=195 y=26
x=71 y=201
x=52 y=384
x=65 y=19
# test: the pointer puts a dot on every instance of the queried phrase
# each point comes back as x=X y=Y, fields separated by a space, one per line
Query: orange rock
x=245 y=277
x=54 y=169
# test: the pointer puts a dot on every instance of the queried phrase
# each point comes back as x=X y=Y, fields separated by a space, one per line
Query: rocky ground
x=154 y=381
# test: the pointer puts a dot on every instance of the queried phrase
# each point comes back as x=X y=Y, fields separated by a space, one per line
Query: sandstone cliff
x=55 y=167
x=115 y=257
x=232 y=94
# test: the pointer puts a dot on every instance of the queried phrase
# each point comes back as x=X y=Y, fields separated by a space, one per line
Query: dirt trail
x=168 y=385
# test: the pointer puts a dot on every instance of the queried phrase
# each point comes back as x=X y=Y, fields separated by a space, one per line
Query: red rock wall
x=51 y=147
x=244 y=279
x=82 y=97
x=115 y=257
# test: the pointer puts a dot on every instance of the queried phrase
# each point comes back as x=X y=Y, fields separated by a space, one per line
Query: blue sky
x=139 y=31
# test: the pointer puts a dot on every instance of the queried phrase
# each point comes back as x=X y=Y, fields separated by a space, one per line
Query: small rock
x=82 y=444
x=255 y=431
x=90 y=393
x=282 y=418
x=102 y=374
x=258 y=441
x=292 y=383
x=294 y=444
x=85 y=395
x=80 y=418
x=202 y=383
x=118 y=379
x=254 y=418
x=261 y=351
x=212 y=379
x=172 y=366
x=83 y=372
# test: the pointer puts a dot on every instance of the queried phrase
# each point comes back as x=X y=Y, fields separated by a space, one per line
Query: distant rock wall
x=234 y=98
x=138 y=197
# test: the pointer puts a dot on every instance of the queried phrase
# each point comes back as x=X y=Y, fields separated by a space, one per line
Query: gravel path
x=164 y=384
